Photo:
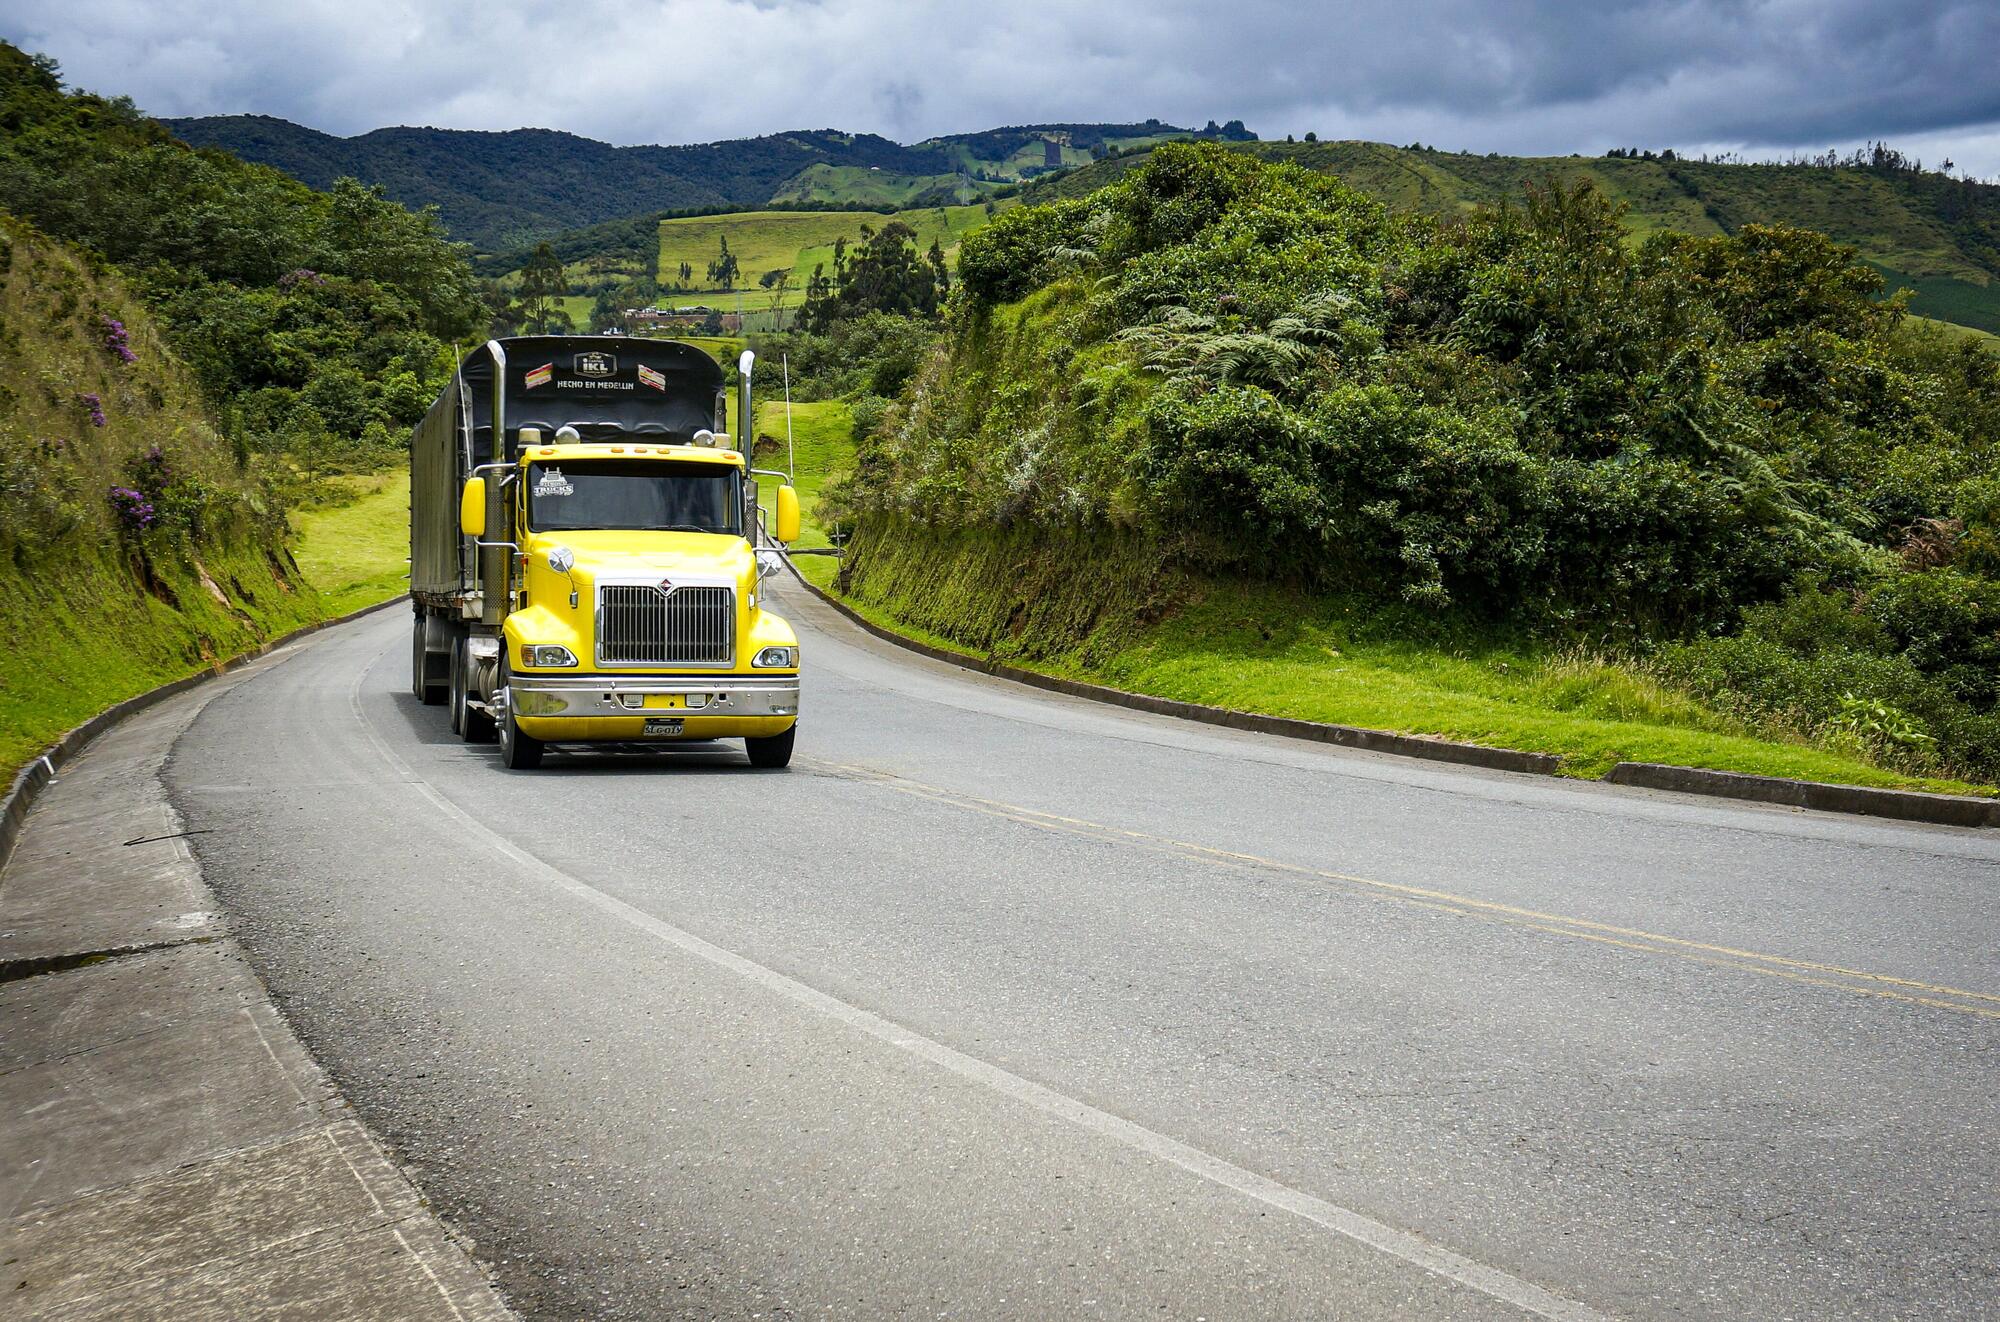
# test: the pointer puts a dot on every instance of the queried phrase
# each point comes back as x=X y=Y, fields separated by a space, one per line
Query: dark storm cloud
x=1508 y=75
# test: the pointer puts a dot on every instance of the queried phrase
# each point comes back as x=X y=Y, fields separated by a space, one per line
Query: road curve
x=1004 y=1004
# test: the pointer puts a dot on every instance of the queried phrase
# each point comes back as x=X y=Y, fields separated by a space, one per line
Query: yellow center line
x=1806 y=971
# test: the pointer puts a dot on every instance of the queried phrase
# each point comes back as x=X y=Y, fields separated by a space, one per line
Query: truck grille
x=638 y=625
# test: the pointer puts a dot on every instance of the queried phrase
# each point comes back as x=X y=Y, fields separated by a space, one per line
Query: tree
x=777 y=281
x=886 y=273
x=687 y=274
x=723 y=270
x=543 y=286
x=940 y=272
x=816 y=308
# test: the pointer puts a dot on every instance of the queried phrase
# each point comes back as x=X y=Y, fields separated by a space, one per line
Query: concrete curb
x=1905 y=805
x=1902 y=805
x=30 y=781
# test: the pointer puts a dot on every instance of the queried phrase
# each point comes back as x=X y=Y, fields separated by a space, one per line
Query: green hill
x=852 y=185
x=506 y=190
x=1936 y=236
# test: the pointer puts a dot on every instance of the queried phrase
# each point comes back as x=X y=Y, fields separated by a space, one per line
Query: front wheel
x=518 y=749
x=771 y=750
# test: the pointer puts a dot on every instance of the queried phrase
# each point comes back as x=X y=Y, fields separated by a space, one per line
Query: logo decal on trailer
x=595 y=364
x=649 y=377
x=539 y=376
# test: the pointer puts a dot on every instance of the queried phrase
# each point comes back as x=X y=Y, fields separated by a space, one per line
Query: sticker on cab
x=553 y=483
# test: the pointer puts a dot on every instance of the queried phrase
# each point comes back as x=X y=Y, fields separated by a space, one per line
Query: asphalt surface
x=1003 y=1004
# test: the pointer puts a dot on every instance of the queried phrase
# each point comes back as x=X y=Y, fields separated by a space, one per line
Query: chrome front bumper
x=625 y=695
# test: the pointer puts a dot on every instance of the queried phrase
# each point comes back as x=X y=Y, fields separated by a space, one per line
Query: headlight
x=546 y=654
x=782 y=658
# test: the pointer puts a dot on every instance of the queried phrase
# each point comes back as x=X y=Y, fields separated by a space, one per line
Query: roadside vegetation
x=315 y=322
x=135 y=548
x=1930 y=230
x=192 y=350
x=1715 y=477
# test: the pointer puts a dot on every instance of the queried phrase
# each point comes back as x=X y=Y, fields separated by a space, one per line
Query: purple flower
x=96 y=407
x=304 y=275
x=134 y=511
x=114 y=339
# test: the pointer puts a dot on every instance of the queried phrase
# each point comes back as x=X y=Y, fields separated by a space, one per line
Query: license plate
x=663 y=725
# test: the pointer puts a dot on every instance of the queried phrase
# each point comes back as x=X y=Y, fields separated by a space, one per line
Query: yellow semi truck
x=588 y=555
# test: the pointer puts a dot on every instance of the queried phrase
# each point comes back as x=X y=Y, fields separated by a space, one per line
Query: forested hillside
x=186 y=342
x=1924 y=230
x=498 y=190
x=506 y=190
x=314 y=320
x=1721 y=458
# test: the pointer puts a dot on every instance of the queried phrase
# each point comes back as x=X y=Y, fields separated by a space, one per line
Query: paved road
x=1001 y=1004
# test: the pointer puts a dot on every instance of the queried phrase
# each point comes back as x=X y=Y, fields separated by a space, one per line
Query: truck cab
x=608 y=584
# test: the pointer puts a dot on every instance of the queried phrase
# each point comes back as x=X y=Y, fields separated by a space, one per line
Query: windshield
x=643 y=494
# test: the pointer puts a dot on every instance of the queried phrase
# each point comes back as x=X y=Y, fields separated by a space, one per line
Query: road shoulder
x=172 y=1149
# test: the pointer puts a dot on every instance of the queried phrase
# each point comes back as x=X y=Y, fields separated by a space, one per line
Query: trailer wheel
x=518 y=749
x=427 y=690
x=771 y=750
x=418 y=688
x=468 y=723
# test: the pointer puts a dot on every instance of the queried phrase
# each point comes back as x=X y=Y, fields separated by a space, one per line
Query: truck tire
x=771 y=750
x=417 y=685
x=426 y=690
x=518 y=749
x=455 y=703
x=467 y=722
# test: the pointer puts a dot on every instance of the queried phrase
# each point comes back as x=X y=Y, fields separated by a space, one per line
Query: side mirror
x=788 y=514
x=472 y=508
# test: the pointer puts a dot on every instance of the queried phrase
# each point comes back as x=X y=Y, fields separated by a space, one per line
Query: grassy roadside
x=1272 y=653
x=101 y=641
x=356 y=551
x=822 y=437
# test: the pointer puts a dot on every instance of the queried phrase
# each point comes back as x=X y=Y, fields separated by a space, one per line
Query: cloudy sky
x=1761 y=76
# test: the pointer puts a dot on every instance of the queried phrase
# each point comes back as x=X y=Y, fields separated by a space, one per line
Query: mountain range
x=503 y=190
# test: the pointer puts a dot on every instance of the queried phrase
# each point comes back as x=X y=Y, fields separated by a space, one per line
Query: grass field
x=822 y=436
x=357 y=552
x=854 y=183
x=768 y=240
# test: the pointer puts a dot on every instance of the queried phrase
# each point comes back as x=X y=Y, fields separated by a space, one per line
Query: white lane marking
x=1344 y=1221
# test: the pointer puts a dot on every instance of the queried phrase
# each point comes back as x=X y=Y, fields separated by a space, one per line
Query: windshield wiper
x=678 y=527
